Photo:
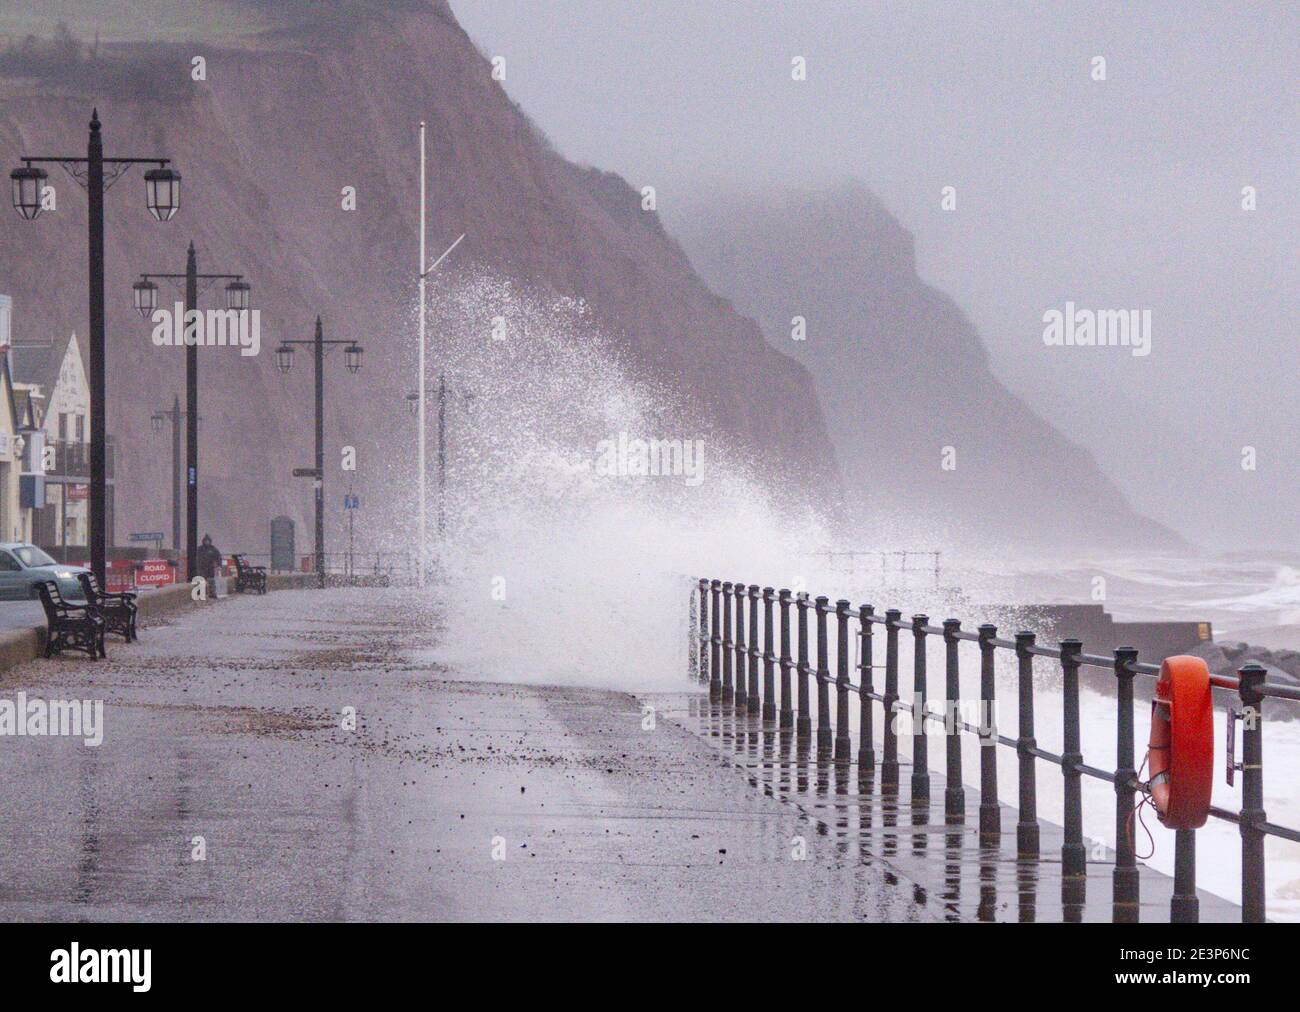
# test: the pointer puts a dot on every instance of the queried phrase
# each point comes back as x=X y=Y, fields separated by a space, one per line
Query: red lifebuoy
x=1181 y=749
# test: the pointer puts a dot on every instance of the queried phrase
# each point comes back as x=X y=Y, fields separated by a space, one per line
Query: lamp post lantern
x=146 y=301
x=284 y=362
x=163 y=199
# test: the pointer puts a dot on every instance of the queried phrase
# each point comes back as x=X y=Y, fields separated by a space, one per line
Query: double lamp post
x=96 y=173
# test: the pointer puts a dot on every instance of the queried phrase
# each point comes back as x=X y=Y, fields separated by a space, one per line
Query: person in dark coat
x=209 y=558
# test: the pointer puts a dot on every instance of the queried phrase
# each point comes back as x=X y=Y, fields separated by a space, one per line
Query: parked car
x=23 y=566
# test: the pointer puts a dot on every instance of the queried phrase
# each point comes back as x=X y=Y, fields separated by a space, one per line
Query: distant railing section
x=721 y=659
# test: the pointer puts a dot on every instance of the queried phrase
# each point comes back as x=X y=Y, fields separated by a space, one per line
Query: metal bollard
x=889 y=763
x=843 y=743
x=742 y=655
x=803 y=724
x=787 y=708
x=1027 y=827
x=728 y=648
x=990 y=811
x=823 y=681
x=866 y=733
x=920 y=747
x=1074 y=855
x=769 y=660
x=1252 y=793
x=1125 y=898
x=954 y=795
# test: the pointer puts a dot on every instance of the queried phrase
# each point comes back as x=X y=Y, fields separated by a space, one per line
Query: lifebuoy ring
x=1181 y=749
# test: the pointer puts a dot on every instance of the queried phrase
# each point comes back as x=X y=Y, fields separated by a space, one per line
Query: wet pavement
x=954 y=874
x=230 y=786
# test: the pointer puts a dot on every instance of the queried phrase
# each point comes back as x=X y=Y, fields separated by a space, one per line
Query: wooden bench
x=70 y=626
x=249 y=577
x=118 y=609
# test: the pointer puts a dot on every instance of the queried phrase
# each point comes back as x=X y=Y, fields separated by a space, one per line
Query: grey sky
x=1116 y=195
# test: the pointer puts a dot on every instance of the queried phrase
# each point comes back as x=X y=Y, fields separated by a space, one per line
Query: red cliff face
x=266 y=144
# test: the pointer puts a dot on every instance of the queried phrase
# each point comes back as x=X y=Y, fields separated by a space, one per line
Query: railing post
x=715 y=641
x=954 y=795
x=693 y=637
x=769 y=659
x=728 y=648
x=866 y=733
x=920 y=746
x=843 y=743
x=1074 y=855
x=990 y=811
x=702 y=657
x=823 y=678
x=889 y=762
x=1252 y=793
x=755 y=700
x=803 y=725
x=1184 y=907
x=1027 y=827
x=1125 y=901
x=742 y=655
x=787 y=710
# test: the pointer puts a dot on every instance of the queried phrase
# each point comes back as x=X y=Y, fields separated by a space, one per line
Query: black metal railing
x=713 y=649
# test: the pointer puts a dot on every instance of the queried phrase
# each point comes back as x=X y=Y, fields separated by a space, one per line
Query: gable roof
x=40 y=364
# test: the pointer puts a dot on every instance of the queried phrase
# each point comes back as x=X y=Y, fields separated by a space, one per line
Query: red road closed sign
x=155 y=573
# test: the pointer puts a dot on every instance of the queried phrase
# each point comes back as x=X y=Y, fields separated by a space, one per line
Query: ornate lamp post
x=96 y=173
x=146 y=302
x=284 y=362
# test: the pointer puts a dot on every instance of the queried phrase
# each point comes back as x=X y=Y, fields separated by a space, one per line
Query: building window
x=63 y=426
x=81 y=428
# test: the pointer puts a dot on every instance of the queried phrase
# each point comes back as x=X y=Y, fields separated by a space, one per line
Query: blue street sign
x=351 y=502
x=147 y=536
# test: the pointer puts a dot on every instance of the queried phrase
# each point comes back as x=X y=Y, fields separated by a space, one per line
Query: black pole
x=320 y=454
x=1125 y=876
x=1074 y=855
x=191 y=423
x=954 y=795
x=98 y=419
x=769 y=659
x=920 y=746
x=1252 y=793
x=866 y=734
x=803 y=723
x=843 y=743
x=990 y=810
x=715 y=645
x=1184 y=906
x=742 y=681
x=755 y=699
x=176 y=475
x=1027 y=826
x=824 y=736
x=889 y=762
x=702 y=649
x=787 y=707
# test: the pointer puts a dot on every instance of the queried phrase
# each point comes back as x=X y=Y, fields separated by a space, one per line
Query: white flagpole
x=423 y=544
